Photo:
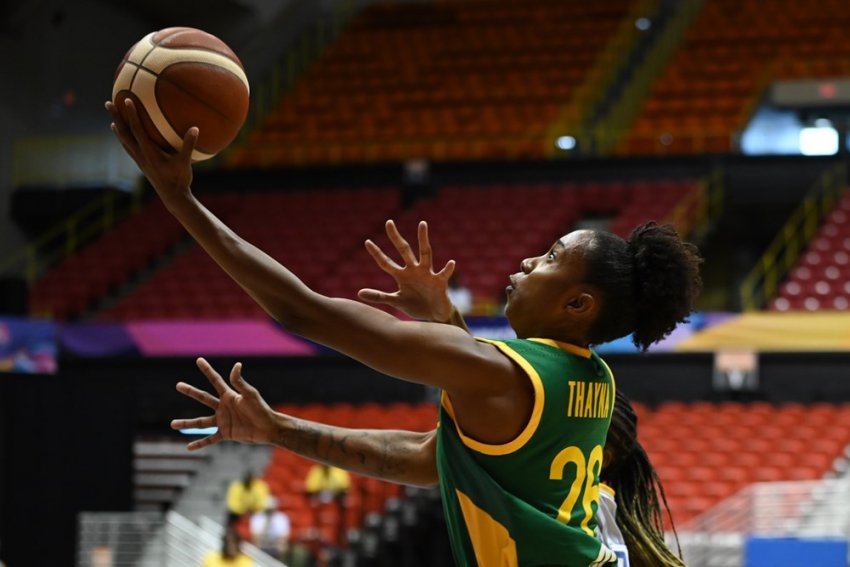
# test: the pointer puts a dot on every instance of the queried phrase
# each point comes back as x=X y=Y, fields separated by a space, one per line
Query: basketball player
x=630 y=492
x=519 y=448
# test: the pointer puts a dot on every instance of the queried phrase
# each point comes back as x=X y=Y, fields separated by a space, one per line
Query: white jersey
x=607 y=529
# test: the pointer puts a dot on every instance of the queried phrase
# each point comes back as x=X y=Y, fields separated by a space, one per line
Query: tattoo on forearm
x=379 y=453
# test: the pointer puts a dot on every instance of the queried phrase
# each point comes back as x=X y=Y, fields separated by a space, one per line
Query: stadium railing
x=148 y=539
x=607 y=134
x=799 y=509
x=764 y=279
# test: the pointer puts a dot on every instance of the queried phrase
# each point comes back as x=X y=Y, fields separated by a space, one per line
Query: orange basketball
x=184 y=77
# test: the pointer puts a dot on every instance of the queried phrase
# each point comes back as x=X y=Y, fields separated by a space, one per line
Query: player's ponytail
x=638 y=492
x=648 y=284
x=667 y=281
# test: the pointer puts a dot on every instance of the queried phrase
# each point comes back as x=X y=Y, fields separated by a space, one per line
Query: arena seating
x=705 y=452
x=487 y=229
x=69 y=289
x=438 y=80
x=733 y=51
x=310 y=231
x=287 y=471
x=820 y=279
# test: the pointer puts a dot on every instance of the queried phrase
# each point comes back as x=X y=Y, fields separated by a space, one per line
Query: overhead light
x=643 y=24
x=566 y=143
x=818 y=141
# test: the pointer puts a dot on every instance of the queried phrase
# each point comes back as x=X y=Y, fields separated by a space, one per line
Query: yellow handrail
x=708 y=198
x=609 y=131
x=266 y=94
x=574 y=114
x=67 y=236
x=763 y=280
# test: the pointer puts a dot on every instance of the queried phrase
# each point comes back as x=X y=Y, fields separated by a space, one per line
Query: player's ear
x=581 y=303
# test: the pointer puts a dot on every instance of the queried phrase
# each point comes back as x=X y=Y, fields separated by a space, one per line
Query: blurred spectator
x=326 y=488
x=246 y=496
x=459 y=294
x=325 y=483
x=270 y=530
x=231 y=554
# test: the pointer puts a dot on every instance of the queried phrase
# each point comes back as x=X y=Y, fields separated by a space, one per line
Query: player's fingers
x=214 y=377
x=400 y=243
x=145 y=144
x=424 y=245
x=447 y=270
x=196 y=422
x=127 y=148
x=120 y=129
x=198 y=395
x=238 y=381
x=190 y=140
x=375 y=296
x=205 y=442
x=384 y=262
x=131 y=116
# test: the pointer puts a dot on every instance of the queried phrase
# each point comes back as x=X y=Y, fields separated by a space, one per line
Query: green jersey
x=532 y=501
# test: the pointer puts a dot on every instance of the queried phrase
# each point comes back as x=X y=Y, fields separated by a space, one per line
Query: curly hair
x=648 y=283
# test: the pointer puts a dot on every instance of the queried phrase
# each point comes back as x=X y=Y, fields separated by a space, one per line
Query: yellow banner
x=773 y=331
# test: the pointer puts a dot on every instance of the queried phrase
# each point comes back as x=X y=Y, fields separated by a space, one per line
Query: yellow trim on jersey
x=605 y=488
x=573 y=349
x=613 y=386
x=491 y=541
x=533 y=421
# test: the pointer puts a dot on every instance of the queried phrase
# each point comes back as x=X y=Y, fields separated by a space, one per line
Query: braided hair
x=649 y=283
x=638 y=492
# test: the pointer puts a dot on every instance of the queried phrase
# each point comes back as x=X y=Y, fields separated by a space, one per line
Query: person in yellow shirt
x=231 y=554
x=246 y=496
x=326 y=483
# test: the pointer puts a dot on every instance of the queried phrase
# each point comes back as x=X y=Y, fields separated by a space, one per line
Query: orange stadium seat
x=442 y=81
x=733 y=50
x=327 y=522
x=701 y=462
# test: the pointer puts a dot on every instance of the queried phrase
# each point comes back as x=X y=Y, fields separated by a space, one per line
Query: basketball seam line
x=198 y=47
x=139 y=65
x=191 y=95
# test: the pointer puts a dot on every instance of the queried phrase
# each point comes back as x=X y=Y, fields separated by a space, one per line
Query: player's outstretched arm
x=422 y=293
x=426 y=353
x=241 y=414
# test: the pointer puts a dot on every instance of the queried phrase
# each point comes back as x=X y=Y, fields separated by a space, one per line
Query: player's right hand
x=170 y=173
x=241 y=414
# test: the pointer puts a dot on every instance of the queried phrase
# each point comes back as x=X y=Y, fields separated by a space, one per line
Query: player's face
x=538 y=295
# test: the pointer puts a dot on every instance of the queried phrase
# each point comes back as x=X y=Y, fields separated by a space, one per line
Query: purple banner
x=249 y=337
x=27 y=346
x=97 y=339
x=222 y=338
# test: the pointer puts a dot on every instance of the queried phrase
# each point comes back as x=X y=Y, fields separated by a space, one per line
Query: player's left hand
x=241 y=413
x=170 y=173
x=422 y=293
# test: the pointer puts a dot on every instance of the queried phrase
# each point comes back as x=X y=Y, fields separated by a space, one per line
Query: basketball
x=183 y=77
